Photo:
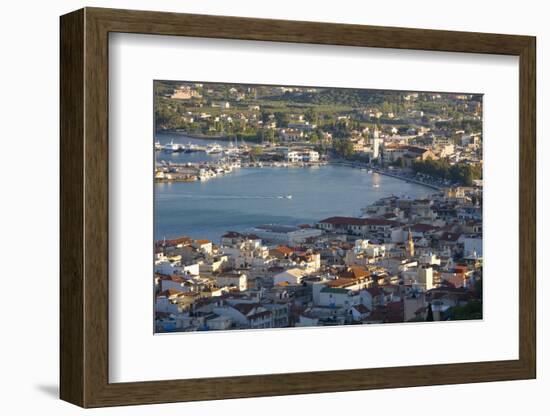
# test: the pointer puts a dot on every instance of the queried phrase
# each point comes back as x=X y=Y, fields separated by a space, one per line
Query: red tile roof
x=170 y=293
x=354 y=272
x=173 y=278
x=245 y=308
x=342 y=282
x=284 y=250
x=361 y=308
x=175 y=241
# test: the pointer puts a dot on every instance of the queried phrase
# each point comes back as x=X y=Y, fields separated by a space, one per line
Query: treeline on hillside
x=350 y=97
x=462 y=173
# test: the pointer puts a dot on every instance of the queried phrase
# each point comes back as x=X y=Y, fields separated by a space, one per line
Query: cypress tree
x=430 y=315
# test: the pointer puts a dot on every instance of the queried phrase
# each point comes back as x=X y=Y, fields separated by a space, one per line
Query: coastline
x=386 y=173
x=415 y=181
x=214 y=169
x=202 y=136
x=353 y=165
x=347 y=163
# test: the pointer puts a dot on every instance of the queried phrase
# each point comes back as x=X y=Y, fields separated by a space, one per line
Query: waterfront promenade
x=386 y=172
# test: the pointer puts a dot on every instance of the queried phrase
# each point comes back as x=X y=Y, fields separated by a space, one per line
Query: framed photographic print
x=261 y=207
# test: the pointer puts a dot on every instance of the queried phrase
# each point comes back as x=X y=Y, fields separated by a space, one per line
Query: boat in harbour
x=214 y=148
x=231 y=149
x=192 y=148
x=173 y=147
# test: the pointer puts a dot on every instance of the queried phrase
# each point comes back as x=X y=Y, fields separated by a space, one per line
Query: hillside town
x=428 y=137
x=402 y=260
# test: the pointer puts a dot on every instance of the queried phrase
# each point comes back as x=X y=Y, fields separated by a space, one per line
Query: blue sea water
x=253 y=196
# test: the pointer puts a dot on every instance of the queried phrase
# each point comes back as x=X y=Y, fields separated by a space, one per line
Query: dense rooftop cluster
x=405 y=261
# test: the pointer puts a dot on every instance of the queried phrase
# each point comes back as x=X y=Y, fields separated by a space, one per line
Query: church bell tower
x=410 y=245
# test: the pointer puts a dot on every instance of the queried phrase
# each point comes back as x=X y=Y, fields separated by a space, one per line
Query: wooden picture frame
x=84 y=207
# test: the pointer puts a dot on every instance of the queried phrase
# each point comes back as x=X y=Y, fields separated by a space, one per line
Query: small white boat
x=191 y=148
x=231 y=151
x=173 y=147
x=214 y=148
x=288 y=197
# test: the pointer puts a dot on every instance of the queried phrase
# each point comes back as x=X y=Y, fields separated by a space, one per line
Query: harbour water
x=253 y=196
x=180 y=157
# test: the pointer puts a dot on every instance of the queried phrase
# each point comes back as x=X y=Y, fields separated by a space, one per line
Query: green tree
x=311 y=116
x=462 y=173
x=344 y=148
x=430 y=314
x=314 y=138
x=256 y=152
x=282 y=119
x=472 y=310
x=270 y=135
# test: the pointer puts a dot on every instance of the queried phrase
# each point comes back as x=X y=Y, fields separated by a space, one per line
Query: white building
x=338 y=297
x=213 y=264
x=376 y=144
x=429 y=259
x=299 y=155
x=164 y=266
x=166 y=302
x=364 y=253
x=291 y=276
x=173 y=282
x=358 y=226
x=246 y=253
x=204 y=246
x=285 y=234
x=302 y=156
x=359 y=312
x=311 y=262
x=291 y=135
x=421 y=278
x=237 y=280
